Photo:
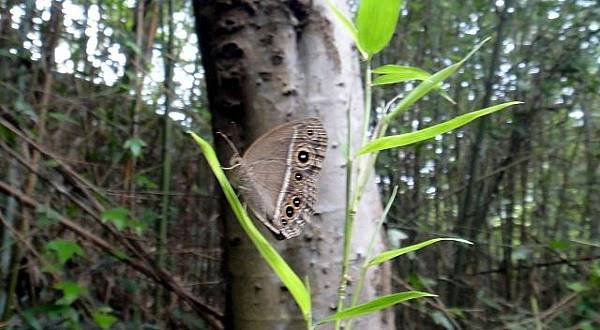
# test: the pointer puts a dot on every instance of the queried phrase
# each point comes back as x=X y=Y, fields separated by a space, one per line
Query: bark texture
x=268 y=62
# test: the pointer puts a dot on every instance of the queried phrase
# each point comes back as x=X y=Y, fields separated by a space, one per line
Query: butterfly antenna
x=233 y=149
x=230 y=143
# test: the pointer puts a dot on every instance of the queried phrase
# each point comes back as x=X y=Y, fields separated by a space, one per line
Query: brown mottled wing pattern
x=278 y=175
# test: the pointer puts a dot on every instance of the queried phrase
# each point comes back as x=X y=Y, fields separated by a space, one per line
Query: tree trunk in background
x=266 y=63
x=470 y=217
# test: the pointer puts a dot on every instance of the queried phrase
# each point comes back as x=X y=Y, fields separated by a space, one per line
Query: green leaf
x=103 y=318
x=31 y=315
x=393 y=74
x=32 y=321
x=441 y=319
x=119 y=216
x=394 y=141
x=391 y=254
x=577 y=286
x=120 y=254
x=376 y=22
x=346 y=23
x=71 y=292
x=428 y=84
x=394 y=78
x=143 y=181
x=418 y=73
x=62 y=117
x=135 y=146
x=64 y=249
x=559 y=245
x=375 y=305
x=26 y=108
x=289 y=278
x=46 y=215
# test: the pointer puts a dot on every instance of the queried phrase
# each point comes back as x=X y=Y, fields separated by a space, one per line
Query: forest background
x=111 y=217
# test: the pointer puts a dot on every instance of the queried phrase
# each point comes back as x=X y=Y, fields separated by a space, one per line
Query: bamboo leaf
x=401 y=69
x=289 y=278
x=346 y=23
x=388 y=255
x=375 y=305
x=394 y=141
x=394 y=78
x=376 y=22
x=430 y=83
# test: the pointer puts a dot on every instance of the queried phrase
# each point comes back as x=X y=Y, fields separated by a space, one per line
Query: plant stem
x=349 y=219
x=365 y=265
x=166 y=156
x=368 y=97
x=352 y=194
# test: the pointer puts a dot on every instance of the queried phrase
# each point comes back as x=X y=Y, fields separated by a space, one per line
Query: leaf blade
x=391 y=254
x=394 y=141
x=346 y=23
x=376 y=22
x=375 y=305
x=401 y=69
x=430 y=83
x=65 y=249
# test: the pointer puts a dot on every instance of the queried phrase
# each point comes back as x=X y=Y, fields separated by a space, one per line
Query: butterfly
x=278 y=175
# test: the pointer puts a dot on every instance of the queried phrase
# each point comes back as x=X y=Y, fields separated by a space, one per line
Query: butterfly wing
x=279 y=175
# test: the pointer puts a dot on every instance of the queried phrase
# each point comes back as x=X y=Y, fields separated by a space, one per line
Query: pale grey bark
x=290 y=61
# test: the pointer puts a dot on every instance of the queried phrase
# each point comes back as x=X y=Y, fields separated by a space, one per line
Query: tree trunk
x=266 y=63
x=466 y=220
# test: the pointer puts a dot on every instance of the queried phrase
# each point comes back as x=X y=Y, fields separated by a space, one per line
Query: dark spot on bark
x=243 y=6
x=231 y=50
x=308 y=237
x=333 y=307
x=229 y=104
x=266 y=40
x=324 y=271
x=283 y=288
x=290 y=92
x=341 y=84
x=257 y=287
x=277 y=59
x=235 y=241
x=231 y=23
x=265 y=76
x=300 y=8
x=230 y=82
